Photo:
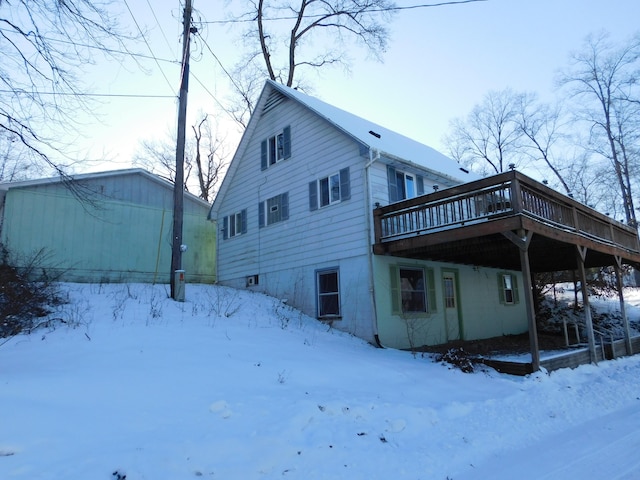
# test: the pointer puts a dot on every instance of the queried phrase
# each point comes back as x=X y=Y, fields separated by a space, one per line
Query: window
x=328 y=288
x=403 y=185
x=449 y=293
x=273 y=210
x=412 y=290
x=329 y=190
x=234 y=225
x=275 y=148
x=508 y=288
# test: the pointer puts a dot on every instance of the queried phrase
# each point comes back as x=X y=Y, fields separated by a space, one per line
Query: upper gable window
x=329 y=190
x=403 y=185
x=275 y=148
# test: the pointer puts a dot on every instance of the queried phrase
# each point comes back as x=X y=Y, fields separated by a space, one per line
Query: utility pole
x=178 y=189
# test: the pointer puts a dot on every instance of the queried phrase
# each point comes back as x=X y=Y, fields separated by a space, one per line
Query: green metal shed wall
x=116 y=242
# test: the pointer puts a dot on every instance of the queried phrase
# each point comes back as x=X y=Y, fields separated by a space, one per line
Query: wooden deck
x=512 y=222
x=477 y=222
x=571 y=358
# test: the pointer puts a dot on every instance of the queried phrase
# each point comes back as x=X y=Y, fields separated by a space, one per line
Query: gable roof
x=160 y=182
x=381 y=140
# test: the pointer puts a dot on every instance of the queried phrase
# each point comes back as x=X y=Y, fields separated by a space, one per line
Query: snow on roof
x=381 y=139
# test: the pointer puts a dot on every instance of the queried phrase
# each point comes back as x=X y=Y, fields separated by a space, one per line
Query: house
x=383 y=237
x=105 y=227
x=295 y=221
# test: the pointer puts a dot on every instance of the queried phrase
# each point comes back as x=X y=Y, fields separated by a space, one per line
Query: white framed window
x=508 y=288
x=329 y=190
x=328 y=290
x=412 y=290
x=234 y=224
x=403 y=185
x=273 y=210
x=275 y=148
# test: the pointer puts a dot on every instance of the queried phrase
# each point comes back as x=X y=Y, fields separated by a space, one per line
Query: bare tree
x=288 y=36
x=44 y=45
x=488 y=140
x=603 y=78
x=12 y=164
x=159 y=157
x=210 y=158
x=205 y=159
x=541 y=126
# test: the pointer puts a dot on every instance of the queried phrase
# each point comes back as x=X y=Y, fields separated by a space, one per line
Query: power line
x=147 y=43
x=159 y=26
x=101 y=48
x=223 y=107
x=80 y=94
x=373 y=10
x=220 y=63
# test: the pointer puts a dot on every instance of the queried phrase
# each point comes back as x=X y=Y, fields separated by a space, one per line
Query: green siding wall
x=481 y=315
x=113 y=242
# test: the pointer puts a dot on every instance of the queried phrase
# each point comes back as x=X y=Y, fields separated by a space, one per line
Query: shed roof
x=98 y=175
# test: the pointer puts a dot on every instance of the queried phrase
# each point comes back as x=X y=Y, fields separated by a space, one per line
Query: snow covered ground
x=235 y=385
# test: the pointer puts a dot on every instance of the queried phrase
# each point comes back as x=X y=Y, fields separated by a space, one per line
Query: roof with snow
x=379 y=138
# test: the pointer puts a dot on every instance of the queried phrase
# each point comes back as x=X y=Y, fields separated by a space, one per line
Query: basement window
x=328 y=289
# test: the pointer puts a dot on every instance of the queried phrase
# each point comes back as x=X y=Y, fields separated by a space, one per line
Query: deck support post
x=522 y=241
x=581 y=254
x=623 y=311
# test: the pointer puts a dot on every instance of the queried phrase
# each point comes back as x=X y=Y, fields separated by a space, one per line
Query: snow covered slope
x=235 y=385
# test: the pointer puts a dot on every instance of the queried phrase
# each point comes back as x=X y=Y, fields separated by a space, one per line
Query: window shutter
x=263 y=155
x=420 y=184
x=393 y=184
x=394 y=278
x=313 y=195
x=225 y=228
x=243 y=221
x=501 y=287
x=514 y=285
x=261 y=214
x=431 y=292
x=287 y=141
x=345 y=186
x=284 y=205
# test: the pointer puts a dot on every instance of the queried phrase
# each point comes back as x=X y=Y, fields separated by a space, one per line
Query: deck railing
x=509 y=193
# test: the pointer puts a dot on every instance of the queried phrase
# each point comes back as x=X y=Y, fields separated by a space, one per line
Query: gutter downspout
x=368 y=214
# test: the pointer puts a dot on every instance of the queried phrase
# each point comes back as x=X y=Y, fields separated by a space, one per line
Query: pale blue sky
x=440 y=63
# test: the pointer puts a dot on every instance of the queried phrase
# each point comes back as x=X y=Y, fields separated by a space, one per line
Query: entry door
x=452 y=320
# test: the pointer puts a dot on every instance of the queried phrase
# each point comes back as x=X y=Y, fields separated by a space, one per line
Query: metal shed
x=112 y=226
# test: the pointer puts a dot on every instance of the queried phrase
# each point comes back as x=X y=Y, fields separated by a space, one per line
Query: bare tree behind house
x=209 y=157
x=159 y=158
x=205 y=159
x=489 y=139
x=287 y=38
x=603 y=79
x=541 y=126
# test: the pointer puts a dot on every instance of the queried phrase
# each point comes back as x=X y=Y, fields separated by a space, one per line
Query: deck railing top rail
x=509 y=193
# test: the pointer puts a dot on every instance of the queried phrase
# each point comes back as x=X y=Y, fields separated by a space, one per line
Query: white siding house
x=294 y=216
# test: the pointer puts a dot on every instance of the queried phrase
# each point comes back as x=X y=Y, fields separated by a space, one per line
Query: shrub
x=458 y=358
x=27 y=293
